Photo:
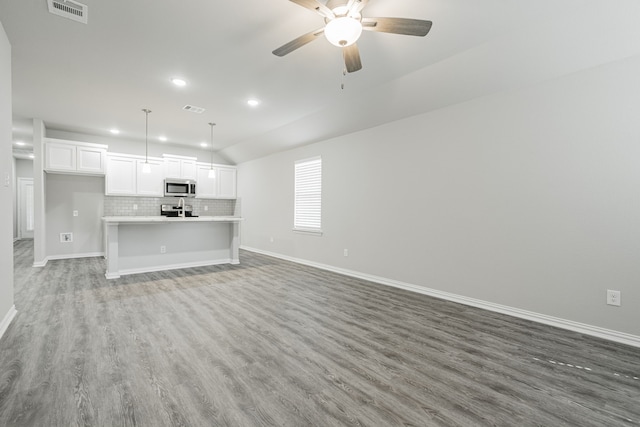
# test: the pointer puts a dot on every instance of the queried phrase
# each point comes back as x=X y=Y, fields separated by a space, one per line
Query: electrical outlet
x=66 y=237
x=75 y=213
x=346 y=252
x=206 y=208
x=135 y=207
x=271 y=239
x=163 y=249
x=613 y=297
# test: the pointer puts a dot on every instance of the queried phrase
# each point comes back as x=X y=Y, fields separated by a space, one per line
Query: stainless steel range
x=171 y=210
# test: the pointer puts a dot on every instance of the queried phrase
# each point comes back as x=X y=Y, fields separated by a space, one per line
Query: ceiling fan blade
x=405 y=26
x=322 y=9
x=299 y=42
x=352 y=58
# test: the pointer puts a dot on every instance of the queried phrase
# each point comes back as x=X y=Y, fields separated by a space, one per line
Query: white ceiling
x=94 y=77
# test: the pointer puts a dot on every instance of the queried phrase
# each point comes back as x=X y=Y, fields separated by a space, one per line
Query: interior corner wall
x=6 y=187
x=527 y=199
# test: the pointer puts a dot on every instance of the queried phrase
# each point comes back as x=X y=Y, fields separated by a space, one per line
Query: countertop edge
x=164 y=219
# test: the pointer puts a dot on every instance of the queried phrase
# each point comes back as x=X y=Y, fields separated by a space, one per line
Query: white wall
x=6 y=185
x=66 y=193
x=529 y=199
x=23 y=168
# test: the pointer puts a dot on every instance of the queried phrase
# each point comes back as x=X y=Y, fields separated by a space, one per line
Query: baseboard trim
x=39 y=264
x=73 y=256
x=67 y=256
x=583 y=328
x=130 y=271
x=7 y=320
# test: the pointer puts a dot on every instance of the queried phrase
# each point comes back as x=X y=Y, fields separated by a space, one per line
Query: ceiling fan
x=344 y=24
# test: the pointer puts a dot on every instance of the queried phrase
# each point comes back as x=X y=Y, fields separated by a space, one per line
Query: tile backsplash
x=148 y=206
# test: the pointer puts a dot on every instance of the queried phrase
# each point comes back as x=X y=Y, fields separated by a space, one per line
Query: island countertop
x=162 y=219
x=141 y=244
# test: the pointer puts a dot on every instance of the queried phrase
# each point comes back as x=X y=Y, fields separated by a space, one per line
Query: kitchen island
x=142 y=244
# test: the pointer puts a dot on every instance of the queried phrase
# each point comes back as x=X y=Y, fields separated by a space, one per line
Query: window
x=308 y=195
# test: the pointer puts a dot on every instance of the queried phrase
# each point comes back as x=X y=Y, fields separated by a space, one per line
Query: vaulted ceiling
x=90 y=78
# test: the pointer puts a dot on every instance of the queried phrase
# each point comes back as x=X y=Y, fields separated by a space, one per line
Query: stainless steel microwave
x=179 y=188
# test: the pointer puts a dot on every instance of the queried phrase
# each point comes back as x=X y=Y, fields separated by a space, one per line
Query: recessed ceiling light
x=162 y=138
x=31 y=156
x=253 y=102
x=114 y=131
x=203 y=144
x=178 y=82
x=20 y=143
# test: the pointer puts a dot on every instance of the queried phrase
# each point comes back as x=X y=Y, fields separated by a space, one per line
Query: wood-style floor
x=272 y=343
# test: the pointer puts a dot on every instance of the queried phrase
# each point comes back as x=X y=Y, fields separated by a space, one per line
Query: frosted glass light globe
x=343 y=31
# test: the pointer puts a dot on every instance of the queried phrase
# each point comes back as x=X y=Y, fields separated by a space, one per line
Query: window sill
x=308 y=231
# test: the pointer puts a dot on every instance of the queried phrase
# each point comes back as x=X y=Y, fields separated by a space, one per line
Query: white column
x=39 y=181
x=235 y=242
x=112 y=251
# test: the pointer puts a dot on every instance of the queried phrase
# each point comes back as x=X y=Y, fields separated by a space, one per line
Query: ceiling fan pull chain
x=344 y=73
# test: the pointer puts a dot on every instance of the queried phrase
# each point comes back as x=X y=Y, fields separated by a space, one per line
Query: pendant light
x=212 y=172
x=146 y=167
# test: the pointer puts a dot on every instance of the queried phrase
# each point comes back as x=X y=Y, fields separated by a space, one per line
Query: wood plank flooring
x=272 y=343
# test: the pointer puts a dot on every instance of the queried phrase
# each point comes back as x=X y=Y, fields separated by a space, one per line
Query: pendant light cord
x=212 y=125
x=146 y=134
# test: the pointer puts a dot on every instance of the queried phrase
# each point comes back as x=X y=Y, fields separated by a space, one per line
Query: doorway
x=25 y=208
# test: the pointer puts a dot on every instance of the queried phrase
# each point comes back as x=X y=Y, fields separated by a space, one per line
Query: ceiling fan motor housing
x=333 y=4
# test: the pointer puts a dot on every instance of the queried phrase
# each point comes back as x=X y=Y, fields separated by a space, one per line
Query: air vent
x=193 y=109
x=69 y=9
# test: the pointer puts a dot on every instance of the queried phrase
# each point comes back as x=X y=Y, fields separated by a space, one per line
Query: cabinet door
x=173 y=168
x=188 y=170
x=121 y=176
x=206 y=188
x=91 y=160
x=150 y=184
x=60 y=157
x=226 y=183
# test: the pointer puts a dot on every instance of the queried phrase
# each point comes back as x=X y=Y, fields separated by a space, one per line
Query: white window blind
x=308 y=195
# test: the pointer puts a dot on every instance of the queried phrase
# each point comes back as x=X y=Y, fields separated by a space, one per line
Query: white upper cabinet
x=91 y=160
x=60 y=157
x=125 y=176
x=188 y=169
x=226 y=183
x=150 y=184
x=221 y=186
x=121 y=177
x=180 y=167
x=74 y=157
x=206 y=187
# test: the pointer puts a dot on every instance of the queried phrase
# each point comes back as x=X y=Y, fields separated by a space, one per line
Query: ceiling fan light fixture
x=343 y=31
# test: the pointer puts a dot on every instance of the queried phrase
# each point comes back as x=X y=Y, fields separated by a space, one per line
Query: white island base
x=138 y=244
